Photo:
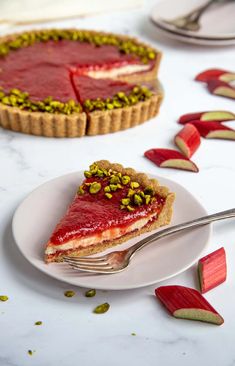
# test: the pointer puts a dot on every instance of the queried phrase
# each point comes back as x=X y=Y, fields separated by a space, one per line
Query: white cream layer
x=106 y=235
x=115 y=72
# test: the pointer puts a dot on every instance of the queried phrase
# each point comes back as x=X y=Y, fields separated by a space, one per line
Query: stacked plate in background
x=217 y=23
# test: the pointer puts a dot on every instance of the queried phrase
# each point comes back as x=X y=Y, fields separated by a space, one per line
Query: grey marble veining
x=71 y=334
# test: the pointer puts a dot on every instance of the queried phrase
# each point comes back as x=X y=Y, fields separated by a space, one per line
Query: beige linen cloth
x=35 y=11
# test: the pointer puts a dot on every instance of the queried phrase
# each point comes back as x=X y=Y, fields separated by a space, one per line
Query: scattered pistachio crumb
x=30 y=352
x=3 y=298
x=133 y=334
x=90 y=293
x=38 y=323
x=101 y=309
x=69 y=293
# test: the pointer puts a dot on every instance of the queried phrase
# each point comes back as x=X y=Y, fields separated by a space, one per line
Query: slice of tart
x=38 y=94
x=112 y=205
x=114 y=105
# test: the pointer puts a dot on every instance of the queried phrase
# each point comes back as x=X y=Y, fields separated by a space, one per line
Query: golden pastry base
x=80 y=124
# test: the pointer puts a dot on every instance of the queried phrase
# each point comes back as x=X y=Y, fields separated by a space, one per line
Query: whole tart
x=112 y=205
x=71 y=83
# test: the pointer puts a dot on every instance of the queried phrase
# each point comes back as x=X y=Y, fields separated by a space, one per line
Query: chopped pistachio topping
x=90 y=293
x=101 y=309
x=134 y=185
x=19 y=99
x=148 y=190
x=138 y=200
x=125 y=179
x=87 y=174
x=114 y=179
x=99 y=173
x=147 y=199
x=125 y=201
x=69 y=293
x=125 y=45
x=3 y=298
x=135 y=196
x=130 y=208
x=108 y=195
x=30 y=352
x=120 y=100
x=94 y=188
x=113 y=187
x=130 y=193
x=38 y=323
x=80 y=190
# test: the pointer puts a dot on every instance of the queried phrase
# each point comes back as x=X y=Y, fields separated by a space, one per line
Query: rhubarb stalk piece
x=212 y=270
x=219 y=116
x=219 y=74
x=214 y=130
x=168 y=158
x=188 y=140
x=187 y=303
x=222 y=88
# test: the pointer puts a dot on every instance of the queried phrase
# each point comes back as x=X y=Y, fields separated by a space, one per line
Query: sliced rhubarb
x=218 y=87
x=206 y=75
x=214 y=130
x=168 y=158
x=187 y=303
x=188 y=140
x=207 y=116
x=212 y=270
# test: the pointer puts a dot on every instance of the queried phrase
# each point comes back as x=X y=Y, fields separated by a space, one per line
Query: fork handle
x=180 y=227
x=197 y=13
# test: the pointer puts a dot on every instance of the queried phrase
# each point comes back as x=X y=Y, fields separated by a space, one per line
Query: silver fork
x=117 y=261
x=191 y=20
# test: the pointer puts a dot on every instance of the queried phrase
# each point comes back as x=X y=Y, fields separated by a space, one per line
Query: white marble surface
x=71 y=334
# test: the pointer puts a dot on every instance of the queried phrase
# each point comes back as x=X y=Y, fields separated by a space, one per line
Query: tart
x=50 y=78
x=112 y=205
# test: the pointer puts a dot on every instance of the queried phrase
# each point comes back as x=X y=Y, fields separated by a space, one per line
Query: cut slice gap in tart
x=113 y=105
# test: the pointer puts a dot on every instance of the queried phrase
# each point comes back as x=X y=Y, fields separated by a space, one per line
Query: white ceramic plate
x=37 y=215
x=217 y=24
x=194 y=40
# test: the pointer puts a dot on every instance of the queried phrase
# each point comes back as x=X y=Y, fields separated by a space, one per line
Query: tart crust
x=42 y=123
x=100 y=122
x=163 y=219
x=80 y=124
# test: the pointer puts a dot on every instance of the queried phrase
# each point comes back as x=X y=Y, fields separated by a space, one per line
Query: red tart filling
x=40 y=82
x=94 y=213
x=77 y=56
x=107 y=206
x=90 y=88
x=54 y=64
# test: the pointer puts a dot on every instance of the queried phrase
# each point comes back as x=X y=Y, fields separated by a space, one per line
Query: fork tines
x=88 y=264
